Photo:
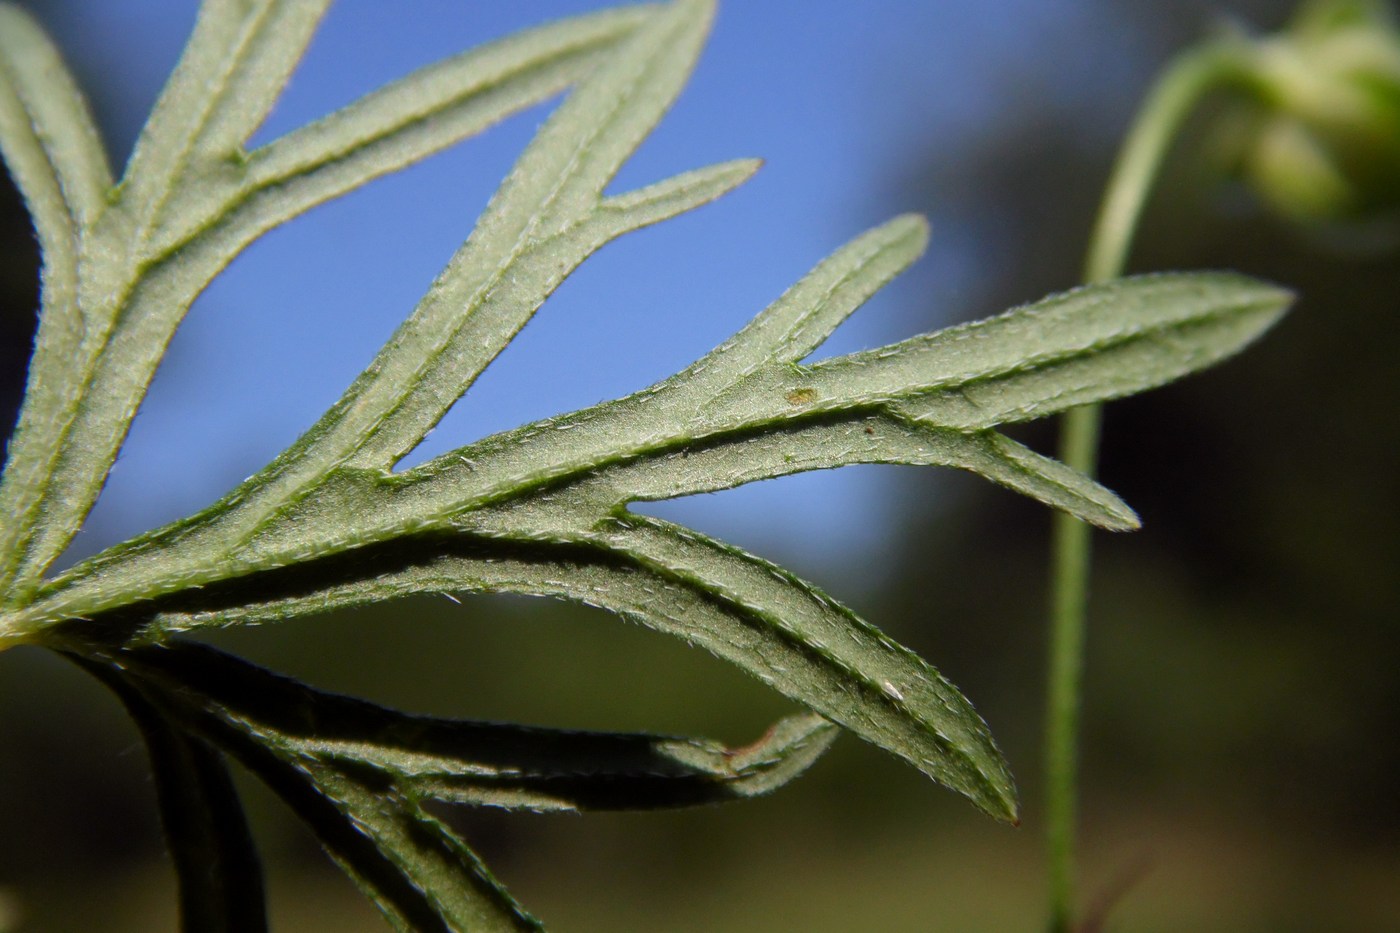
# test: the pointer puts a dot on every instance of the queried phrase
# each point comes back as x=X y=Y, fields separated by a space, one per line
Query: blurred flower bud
x=1324 y=144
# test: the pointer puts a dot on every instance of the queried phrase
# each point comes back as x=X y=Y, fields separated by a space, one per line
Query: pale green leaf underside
x=563 y=475
x=122 y=269
x=55 y=156
x=542 y=509
x=549 y=215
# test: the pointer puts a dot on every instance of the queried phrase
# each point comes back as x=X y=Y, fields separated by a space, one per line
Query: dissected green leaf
x=555 y=770
x=562 y=475
x=537 y=510
x=806 y=645
x=419 y=874
x=747 y=611
x=387 y=129
x=191 y=200
x=233 y=69
x=773 y=402
x=50 y=144
x=358 y=773
x=548 y=216
x=53 y=152
x=540 y=510
x=480 y=763
x=1088 y=345
x=130 y=301
x=799 y=322
x=414 y=869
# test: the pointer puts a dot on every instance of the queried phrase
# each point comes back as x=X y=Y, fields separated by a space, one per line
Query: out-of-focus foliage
x=1321 y=136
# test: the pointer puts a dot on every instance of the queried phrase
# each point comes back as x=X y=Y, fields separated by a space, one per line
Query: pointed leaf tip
x=664 y=199
x=912 y=225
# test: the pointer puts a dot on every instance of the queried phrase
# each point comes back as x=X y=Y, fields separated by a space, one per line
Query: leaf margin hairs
x=777 y=627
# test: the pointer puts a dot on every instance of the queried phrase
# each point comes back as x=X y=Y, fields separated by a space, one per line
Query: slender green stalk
x=1179 y=87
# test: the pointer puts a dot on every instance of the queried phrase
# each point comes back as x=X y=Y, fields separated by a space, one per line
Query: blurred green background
x=1243 y=686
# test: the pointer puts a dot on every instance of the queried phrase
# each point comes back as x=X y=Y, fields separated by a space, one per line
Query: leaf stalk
x=1173 y=97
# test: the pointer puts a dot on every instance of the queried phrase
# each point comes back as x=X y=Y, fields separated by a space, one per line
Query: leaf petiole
x=1178 y=89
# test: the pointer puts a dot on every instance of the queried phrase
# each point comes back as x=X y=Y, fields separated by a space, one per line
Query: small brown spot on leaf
x=801 y=396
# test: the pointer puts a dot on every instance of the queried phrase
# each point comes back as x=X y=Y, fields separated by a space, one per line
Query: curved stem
x=1177 y=91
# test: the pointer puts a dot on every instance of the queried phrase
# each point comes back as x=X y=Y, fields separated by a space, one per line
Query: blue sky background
x=838 y=98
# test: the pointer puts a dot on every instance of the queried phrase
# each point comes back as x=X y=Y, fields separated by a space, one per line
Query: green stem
x=1175 y=94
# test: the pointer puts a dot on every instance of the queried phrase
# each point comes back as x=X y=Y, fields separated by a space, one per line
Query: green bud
x=1324 y=144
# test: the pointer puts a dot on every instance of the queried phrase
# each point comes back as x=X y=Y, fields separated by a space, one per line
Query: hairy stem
x=1174 y=95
